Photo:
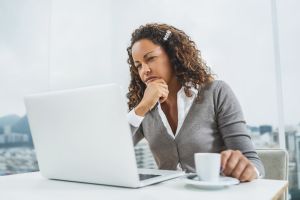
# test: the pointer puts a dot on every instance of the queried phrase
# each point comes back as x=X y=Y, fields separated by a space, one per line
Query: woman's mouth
x=150 y=79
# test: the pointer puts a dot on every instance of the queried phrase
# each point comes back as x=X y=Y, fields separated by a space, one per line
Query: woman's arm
x=232 y=126
x=157 y=90
x=135 y=122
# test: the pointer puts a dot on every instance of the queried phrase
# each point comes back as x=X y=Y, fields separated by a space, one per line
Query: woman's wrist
x=141 y=109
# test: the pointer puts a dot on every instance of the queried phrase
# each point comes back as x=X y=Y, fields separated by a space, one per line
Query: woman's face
x=151 y=61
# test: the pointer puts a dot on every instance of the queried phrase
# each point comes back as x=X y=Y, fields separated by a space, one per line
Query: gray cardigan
x=213 y=125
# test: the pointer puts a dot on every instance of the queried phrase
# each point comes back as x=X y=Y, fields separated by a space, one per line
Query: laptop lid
x=83 y=135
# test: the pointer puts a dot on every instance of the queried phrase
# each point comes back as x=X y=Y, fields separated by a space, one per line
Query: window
x=23 y=69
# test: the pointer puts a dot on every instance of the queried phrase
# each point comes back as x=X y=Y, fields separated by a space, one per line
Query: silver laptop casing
x=83 y=135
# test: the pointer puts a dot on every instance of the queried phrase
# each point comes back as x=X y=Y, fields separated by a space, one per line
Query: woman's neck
x=173 y=87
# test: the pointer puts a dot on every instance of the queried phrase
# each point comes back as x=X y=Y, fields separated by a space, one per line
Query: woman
x=178 y=106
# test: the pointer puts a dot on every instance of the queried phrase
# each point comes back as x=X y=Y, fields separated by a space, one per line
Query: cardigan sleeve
x=137 y=133
x=232 y=125
x=136 y=128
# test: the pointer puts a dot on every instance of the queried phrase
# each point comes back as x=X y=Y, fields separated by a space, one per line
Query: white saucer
x=224 y=181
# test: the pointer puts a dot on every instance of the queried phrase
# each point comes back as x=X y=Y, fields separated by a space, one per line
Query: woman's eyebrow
x=153 y=51
x=145 y=56
x=148 y=54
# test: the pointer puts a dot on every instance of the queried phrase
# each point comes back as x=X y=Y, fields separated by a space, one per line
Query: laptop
x=83 y=135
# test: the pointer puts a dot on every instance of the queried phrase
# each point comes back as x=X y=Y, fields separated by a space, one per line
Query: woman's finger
x=225 y=155
x=232 y=162
x=240 y=167
x=248 y=174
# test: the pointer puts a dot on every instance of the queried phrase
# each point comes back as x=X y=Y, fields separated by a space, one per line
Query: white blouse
x=184 y=104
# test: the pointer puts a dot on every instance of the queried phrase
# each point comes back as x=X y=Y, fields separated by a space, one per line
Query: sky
x=62 y=44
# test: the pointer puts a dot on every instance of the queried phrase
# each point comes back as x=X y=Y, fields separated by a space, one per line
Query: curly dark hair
x=190 y=69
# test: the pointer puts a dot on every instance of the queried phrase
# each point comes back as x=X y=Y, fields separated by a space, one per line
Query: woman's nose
x=146 y=69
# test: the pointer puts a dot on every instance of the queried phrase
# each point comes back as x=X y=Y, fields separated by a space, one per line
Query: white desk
x=32 y=186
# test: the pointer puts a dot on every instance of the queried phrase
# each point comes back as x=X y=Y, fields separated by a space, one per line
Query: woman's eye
x=151 y=58
x=138 y=66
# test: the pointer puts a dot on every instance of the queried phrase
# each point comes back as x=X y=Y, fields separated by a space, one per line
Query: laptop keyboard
x=147 y=176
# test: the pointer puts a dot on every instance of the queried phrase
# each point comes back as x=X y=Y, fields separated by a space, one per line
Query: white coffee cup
x=208 y=166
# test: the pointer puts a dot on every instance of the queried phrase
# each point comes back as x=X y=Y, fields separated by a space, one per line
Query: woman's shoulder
x=217 y=85
x=219 y=90
x=222 y=92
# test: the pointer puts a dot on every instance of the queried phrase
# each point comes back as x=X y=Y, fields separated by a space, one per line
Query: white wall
x=80 y=43
x=289 y=31
x=23 y=51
